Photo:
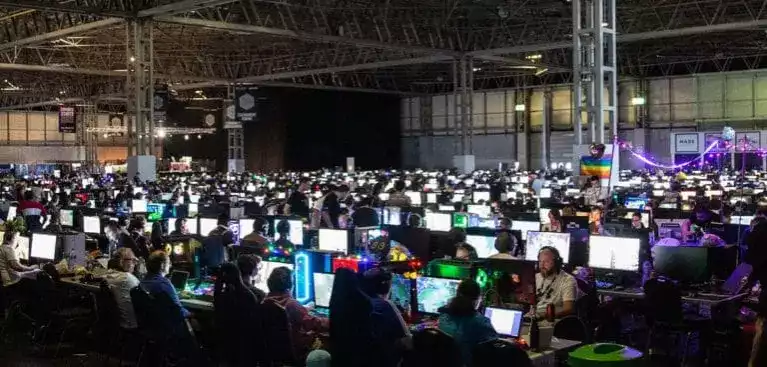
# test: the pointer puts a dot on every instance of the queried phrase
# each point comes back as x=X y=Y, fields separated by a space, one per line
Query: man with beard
x=553 y=285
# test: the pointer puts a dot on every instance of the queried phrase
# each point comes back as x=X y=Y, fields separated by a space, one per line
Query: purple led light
x=676 y=166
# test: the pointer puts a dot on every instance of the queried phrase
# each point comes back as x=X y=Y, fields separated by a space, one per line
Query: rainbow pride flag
x=599 y=167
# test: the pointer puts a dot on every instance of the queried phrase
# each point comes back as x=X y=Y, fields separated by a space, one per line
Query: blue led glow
x=303 y=275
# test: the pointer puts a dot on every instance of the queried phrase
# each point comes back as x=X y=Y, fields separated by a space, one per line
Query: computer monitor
x=138 y=205
x=537 y=240
x=431 y=198
x=543 y=213
x=296 y=234
x=401 y=291
x=483 y=211
x=193 y=209
x=91 y=225
x=22 y=248
x=614 y=253
x=506 y=322
x=43 y=246
x=191 y=225
x=434 y=293
x=392 y=216
x=336 y=240
x=485 y=245
x=266 y=270
x=67 y=217
x=524 y=227
x=461 y=220
x=415 y=197
x=207 y=225
x=440 y=222
x=12 y=210
x=246 y=227
x=481 y=195
x=323 y=288
x=687 y=264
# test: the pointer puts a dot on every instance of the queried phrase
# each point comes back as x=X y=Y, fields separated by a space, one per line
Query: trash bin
x=605 y=355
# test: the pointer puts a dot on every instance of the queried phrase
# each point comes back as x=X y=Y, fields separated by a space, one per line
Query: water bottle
x=534 y=333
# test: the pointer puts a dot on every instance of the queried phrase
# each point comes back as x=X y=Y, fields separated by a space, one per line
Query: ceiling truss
x=397 y=46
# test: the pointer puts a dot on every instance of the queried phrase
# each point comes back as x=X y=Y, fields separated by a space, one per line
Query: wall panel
x=40 y=154
x=439 y=109
x=739 y=94
x=682 y=97
x=658 y=100
x=710 y=96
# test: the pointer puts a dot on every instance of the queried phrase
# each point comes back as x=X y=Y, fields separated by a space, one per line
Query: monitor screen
x=246 y=227
x=505 y=322
x=207 y=225
x=91 y=225
x=193 y=209
x=415 y=197
x=22 y=248
x=485 y=245
x=296 y=234
x=334 y=240
x=392 y=216
x=434 y=293
x=524 y=227
x=67 y=218
x=191 y=225
x=461 y=220
x=614 y=253
x=323 y=288
x=481 y=196
x=544 y=215
x=138 y=205
x=266 y=270
x=537 y=240
x=431 y=197
x=43 y=246
x=401 y=291
x=440 y=222
x=481 y=210
x=11 y=213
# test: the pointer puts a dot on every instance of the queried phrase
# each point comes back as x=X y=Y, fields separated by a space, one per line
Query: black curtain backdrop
x=300 y=129
x=323 y=128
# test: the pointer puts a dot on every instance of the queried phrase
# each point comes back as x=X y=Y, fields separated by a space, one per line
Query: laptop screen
x=505 y=322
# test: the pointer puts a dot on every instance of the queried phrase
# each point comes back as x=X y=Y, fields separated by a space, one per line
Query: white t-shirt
x=7 y=256
x=120 y=283
x=556 y=290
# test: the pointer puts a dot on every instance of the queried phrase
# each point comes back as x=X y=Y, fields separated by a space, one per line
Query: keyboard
x=320 y=312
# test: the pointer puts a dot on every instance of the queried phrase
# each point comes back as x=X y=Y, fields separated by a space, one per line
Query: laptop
x=178 y=279
x=506 y=322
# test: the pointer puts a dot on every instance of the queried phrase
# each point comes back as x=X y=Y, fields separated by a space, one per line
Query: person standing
x=298 y=202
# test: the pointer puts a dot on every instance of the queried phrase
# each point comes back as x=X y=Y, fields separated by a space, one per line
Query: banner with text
x=67 y=119
x=161 y=100
x=245 y=103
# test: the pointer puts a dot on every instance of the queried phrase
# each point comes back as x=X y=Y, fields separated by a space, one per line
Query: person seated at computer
x=466 y=252
x=392 y=332
x=121 y=280
x=364 y=215
x=303 y=325
x=180 y=228
x=553 y=286
x=11 y=268
x=698 y=222
x=257 y=238
x=555 y=221
x=283 y=230
x=461 y=320
x=506 y=245
x=398 y=197
x=249 y=265
x=135 y=239
x=155 y=282
x=592 y=192
x=596 y=225
x=34 y=213
x=636 y=222
x=215 y=246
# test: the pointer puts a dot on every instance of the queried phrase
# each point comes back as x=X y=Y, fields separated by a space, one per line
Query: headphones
x=558 y=261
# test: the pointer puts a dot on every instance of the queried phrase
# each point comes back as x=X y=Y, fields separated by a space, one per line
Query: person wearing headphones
x=553 y=286
x=257 y=238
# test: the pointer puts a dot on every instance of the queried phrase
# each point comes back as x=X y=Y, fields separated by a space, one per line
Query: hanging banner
x=245 y=106
x=67 y=119
x=161 y=100
x=752 y=140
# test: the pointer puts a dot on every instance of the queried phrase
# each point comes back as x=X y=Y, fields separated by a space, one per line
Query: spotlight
x=106 y=136
x=160 y=133
x=199 y=136
x=186 y=137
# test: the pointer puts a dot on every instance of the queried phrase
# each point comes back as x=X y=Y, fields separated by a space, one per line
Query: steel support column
x=235 y=140
x=140 y=87
x=466 y=94
x=548 y=110
x=89 y=138
x=594 y=68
